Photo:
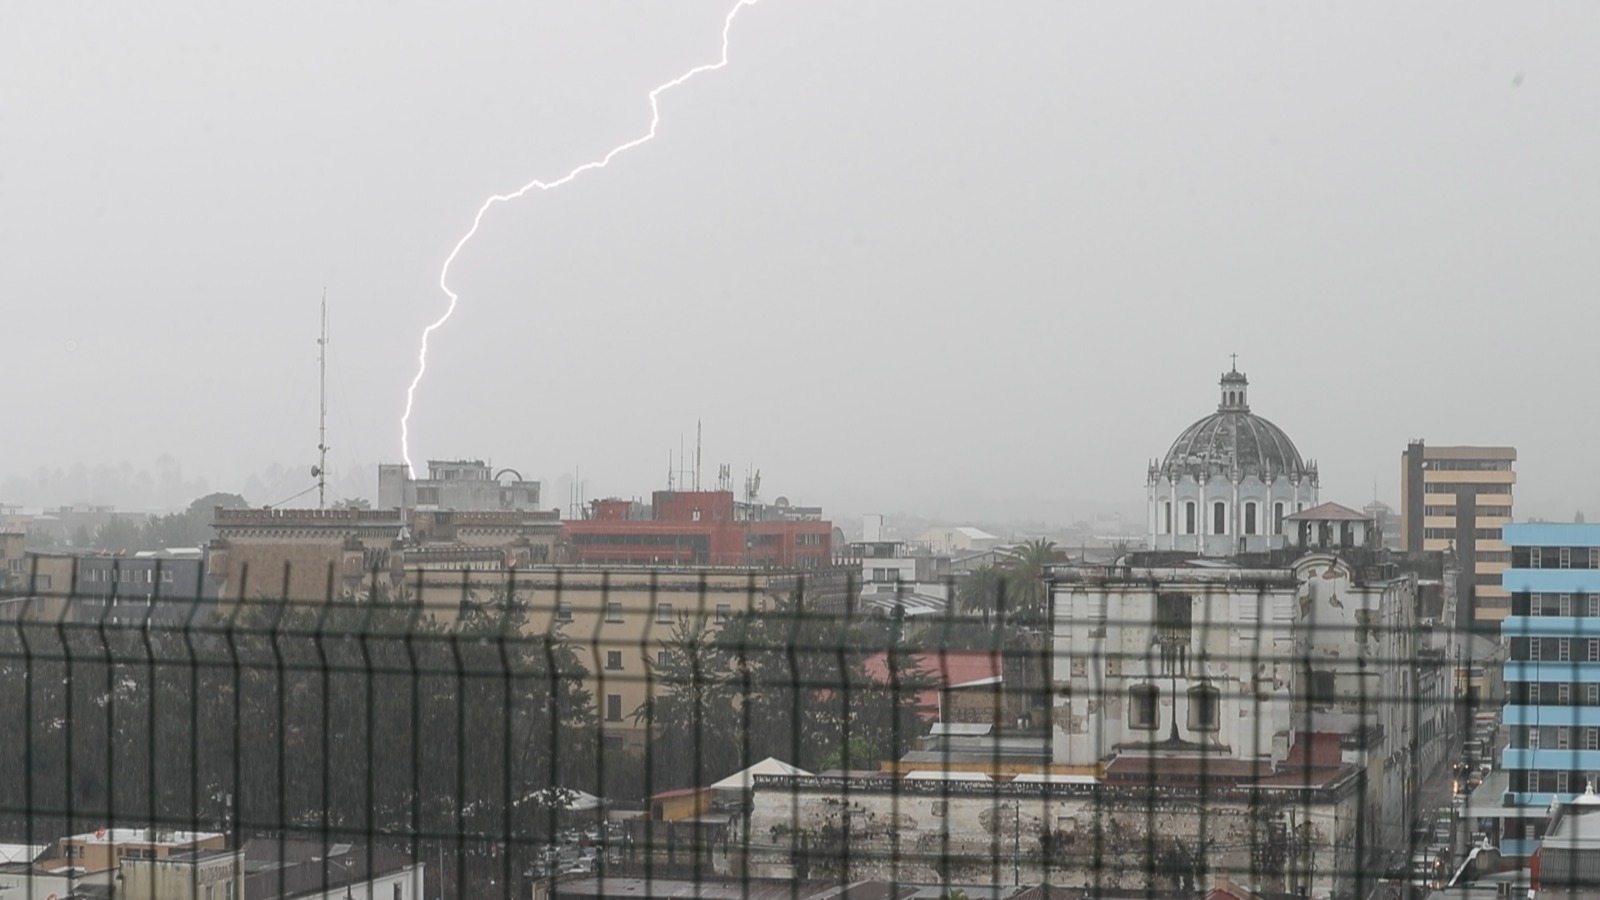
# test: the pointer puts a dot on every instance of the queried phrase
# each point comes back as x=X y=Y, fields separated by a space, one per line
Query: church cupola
x=1235 y=388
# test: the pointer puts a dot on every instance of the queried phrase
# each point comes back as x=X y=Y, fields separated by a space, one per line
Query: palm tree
x=1025 y=568
x=980 y=591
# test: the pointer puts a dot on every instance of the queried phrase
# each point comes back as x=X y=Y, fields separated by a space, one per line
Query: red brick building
x=698 y=528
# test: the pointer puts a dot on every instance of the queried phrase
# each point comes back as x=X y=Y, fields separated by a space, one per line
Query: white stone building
x=1228 y=482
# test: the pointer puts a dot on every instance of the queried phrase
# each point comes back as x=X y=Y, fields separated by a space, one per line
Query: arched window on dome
x=1219 y=518
x=1189 y=514
x=1250 y=517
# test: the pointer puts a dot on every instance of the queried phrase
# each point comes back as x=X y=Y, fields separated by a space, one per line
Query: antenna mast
x=321 y=470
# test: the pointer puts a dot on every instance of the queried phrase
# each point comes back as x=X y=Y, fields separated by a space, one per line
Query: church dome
x=1234 y=442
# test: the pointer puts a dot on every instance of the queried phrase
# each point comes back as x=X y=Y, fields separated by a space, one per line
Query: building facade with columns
x=1228 y=481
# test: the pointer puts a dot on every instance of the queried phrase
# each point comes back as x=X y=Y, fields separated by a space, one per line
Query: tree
x=887 y=710
x=205 y=506
x=855 y=753
x=1025 y=567
x=981 y=591
x=691 y=711
x=120 y=534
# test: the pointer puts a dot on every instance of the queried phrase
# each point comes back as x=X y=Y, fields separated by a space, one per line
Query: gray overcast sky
x=967 y=259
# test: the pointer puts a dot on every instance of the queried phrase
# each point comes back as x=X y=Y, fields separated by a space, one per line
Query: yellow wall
x=685 y=806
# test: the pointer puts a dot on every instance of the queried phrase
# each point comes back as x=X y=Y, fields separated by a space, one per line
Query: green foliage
x=855 y=754
x=1013 y=592
x=359 y=717
x=788 y=682
x=120 y=535
x=190 y=528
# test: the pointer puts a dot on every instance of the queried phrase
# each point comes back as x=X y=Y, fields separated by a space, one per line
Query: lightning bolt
x=540 y=185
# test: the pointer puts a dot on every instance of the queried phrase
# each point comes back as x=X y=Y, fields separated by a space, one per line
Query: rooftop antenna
x=697 y=454
x=320 y=470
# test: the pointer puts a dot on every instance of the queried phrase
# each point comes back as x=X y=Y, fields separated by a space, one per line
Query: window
x=1563 y=738
x=1277 y=518
x=663 y=658
x=613 y=611
x=1532 y=741
x=1188 y=518
x=696 y=516
x=563 y=611
x=428 y=496
x=1534 y=693
x=613 y=707
x=1321 y=689
x=664 y=613
x=725 y=612
x=397 y=895
x=1591 y=739
x=939 y=807
x=1534 y=648
x=1166 y=521
x=41 y=582
x=1594 y=557
x=1535 y=557
x=1592 y=650
x=1566 y=557
x=614 y=660
x=1250 y=517
x=1563 y=649
x=1174 y=616
x=1564 y=605
x=1592 y=694
x=1144 y=702
x=166 y=578
x=1204 y=712
x=1562 y=781
x=1219 y=518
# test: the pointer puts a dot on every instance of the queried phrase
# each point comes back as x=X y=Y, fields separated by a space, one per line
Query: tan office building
x=1460 y=498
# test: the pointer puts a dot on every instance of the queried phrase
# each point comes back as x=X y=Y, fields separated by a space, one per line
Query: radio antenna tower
x=320 y=471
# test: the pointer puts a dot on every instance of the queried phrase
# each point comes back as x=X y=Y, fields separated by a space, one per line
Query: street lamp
x=348 y=877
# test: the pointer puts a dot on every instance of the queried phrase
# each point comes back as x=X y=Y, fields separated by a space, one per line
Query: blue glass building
x=1552 y=671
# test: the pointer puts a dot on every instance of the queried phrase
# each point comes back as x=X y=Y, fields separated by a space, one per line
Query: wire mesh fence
x=1110 y=731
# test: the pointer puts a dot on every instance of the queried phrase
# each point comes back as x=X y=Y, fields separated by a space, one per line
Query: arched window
x=1188 y=517
x=1166 y=521
x=1277 y=518
x=1144 y=705
x=1219 y=518
x=1250 y=517
x=1205 y=712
